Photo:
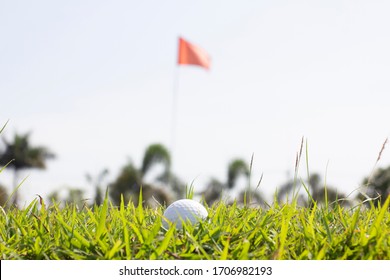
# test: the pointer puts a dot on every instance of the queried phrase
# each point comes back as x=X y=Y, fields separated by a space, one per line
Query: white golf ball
x=184 y=210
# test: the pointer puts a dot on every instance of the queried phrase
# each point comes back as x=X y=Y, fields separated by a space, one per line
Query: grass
x=230 y=232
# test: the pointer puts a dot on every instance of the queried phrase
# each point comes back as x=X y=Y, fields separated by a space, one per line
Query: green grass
x=230 y=232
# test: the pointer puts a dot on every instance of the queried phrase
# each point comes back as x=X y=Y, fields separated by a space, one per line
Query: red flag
x=190 y=54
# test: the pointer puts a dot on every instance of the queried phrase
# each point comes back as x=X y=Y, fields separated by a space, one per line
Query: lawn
x=230 y=232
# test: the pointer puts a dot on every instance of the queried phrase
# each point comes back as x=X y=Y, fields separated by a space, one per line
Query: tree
x=291 y=190
x=154 y=154
x=127 y=184
x=20 y=155
x=213 y=191
x=377 y=186
x=130 y=179
x=236 y=168
x=318 y=193
x=330 y=195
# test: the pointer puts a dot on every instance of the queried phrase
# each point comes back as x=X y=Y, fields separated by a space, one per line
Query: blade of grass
x=137 y=232
x=140 y=209
x=74 y=232
x=14 y=191
x=249 y=182
x=326 y=224
x=282 y=238
x=374 y=167
x=310 y=197
x=307 y=161
x=164 y=244
x=225 y=252
x=326 y=188
x=5 y=166
x=125 y=230
x=103 y=216
x=1 y=130
x=355 y=219
x=378 y=220
x=115 y=249
x=190 y=190
x=245 y=249
x=321 y=253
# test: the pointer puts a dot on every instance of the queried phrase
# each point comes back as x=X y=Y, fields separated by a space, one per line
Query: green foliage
x=236 y=167
x=20 y=155
x=156 y=153
x=131 y=178
x=126 y=184
x=231 y=232
x=129 y=229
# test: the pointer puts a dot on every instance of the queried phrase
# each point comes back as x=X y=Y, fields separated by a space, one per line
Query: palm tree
x=20 y=155
x=127 y=183
x=130 y=179
x=155 y=154
x=236 y=168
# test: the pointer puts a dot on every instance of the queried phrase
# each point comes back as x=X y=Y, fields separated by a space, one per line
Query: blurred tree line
x=163 y=186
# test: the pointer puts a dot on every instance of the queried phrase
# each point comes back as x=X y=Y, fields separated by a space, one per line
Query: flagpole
x=174 y=117
x=175 y=97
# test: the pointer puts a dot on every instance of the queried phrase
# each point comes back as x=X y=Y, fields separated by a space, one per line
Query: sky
x=94 y=82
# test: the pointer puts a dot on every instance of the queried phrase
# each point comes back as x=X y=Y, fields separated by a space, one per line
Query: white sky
x=93 y=81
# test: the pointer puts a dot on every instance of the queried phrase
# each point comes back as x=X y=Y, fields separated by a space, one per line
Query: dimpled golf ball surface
x=184 y=210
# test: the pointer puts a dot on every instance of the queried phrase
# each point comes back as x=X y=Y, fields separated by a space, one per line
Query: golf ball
x=184 y=210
